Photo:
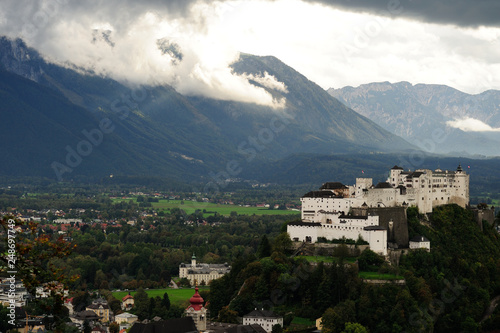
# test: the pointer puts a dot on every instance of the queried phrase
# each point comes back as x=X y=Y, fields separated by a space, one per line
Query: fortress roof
x=374 y=227
x=333 y=186
x=415 y=174
x=397 y=168
x=261 y=314
x=343 y=216
x=305 y=224
x=320 y=194
x=383 y=185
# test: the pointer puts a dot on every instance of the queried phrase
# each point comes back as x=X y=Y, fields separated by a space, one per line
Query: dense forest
x=447 y=289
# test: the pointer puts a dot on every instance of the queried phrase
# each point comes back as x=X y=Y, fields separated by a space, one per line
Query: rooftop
x=261 y=314
x=419 y=239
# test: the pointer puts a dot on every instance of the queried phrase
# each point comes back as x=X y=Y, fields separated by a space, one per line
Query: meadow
x=176 y=296
x=209 y=209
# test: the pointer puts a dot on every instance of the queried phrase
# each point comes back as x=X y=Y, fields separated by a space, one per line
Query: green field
x=303 y=321
x=379 y=276
x=326 y=259
x=176 y=296
x=210 y=208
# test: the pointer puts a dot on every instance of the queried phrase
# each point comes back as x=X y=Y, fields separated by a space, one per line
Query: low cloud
x=471 y=125
x=267 y=81
x=176 y=43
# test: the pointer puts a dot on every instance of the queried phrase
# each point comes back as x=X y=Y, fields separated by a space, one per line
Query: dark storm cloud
x=465 y=13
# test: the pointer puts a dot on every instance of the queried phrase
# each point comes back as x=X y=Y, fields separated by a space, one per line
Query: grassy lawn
x=191 y=206
x=303 y=321
x=326 y=259
x=379 y=276
x=176 y=296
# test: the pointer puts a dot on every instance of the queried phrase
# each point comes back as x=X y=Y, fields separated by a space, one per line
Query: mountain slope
x=314 y=109
x=157 y=131
x=418 y=112
x=39 y=127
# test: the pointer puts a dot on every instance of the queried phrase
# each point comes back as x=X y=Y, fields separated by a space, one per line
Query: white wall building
x=336 y=226
x=266 y=319
x=420 y=242
x=325 y=212
x=422 y=188
x=197 y=273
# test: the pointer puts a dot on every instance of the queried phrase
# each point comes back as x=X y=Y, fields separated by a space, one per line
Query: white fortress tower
x=325 y=213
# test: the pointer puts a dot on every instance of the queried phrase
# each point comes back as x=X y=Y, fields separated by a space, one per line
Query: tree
x=4 y=326
x=165 y=302
x=184 y=282
x=33 y=256
x=354 y=328
x=264 y=249
x=141 y=304
x=369 y=260
x=282 y=243
x=334 y=320
x=114 y=327
x=228 y=316
x=86 y=327
x=277 y=329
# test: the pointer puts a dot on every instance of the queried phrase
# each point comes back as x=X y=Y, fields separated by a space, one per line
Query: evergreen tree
x=264 y=249
x=165 y=302
x=141 y=304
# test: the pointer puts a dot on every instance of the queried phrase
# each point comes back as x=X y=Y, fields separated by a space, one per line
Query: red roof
x=127 y=297
x=196 y=301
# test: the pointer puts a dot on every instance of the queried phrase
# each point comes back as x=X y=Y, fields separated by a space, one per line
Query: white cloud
x=471 y=125
x=125 y=47
x=267 y=81
x=332 y=47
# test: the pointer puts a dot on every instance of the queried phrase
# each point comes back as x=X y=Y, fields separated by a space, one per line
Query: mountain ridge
x=415 y=112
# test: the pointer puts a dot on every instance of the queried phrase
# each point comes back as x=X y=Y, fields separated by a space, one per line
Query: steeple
x=196 y=301
x=193 y=261
x=197 y=311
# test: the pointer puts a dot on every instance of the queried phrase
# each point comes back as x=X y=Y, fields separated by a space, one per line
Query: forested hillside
x=448 y=289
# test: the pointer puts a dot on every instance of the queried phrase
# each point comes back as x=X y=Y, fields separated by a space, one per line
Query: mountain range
x=420 y=112
x=64 y=122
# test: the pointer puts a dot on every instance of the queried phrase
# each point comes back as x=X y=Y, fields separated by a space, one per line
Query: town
x=143 y=262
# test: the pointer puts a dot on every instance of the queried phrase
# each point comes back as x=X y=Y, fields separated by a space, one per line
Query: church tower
x=197 y=311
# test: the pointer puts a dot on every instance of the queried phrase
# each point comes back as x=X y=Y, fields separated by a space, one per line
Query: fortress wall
x=399 y=234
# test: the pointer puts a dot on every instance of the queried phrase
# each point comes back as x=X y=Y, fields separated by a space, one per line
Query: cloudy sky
x=333 y=43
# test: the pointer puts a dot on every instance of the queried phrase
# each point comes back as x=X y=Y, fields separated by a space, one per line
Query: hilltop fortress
x=377 y=213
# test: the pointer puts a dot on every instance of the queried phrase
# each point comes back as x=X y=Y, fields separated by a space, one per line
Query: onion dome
x=196 y=301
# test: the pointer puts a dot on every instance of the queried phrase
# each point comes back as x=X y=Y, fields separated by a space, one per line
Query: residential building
x=127 y=302
x=420 y=242
x=266 y=319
